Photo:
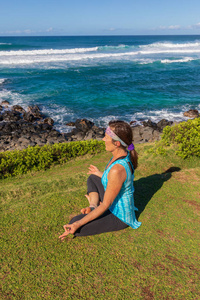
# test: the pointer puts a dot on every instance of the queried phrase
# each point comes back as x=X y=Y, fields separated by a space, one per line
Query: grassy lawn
x=157 y=261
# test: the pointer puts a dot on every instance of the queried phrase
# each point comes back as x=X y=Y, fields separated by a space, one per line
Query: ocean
x=132 y=78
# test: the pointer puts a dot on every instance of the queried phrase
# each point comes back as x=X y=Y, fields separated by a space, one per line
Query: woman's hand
x=69 y=228
x=95 y=171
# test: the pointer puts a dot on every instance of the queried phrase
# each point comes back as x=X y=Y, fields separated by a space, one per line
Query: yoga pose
x=110 y=193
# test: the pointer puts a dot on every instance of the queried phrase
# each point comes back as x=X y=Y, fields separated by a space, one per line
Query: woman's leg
x=95 y=193
x=105 y=223
x=94 y=185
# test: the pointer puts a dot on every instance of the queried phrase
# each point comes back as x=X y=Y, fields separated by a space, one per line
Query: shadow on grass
x=146 y=187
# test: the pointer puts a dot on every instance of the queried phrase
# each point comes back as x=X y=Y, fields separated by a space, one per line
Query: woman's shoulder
x=118 y=170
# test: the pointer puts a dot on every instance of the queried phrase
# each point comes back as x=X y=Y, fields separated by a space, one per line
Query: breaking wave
x=152 y=52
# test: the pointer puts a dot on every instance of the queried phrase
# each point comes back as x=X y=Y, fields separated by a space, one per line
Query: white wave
x=170 y=48
x=146 y=61
x=171 y=45
x=16 y=98
x=170 y=61
x=56 y=58
x=2 y=80
x=5 y=44
x=131 y=56
x=143 y=54
x=171 y=51
x=119 y=47
x=47 y=52
x=175 y=115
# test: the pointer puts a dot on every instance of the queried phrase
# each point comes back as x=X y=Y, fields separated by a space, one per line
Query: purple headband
x=116 y=138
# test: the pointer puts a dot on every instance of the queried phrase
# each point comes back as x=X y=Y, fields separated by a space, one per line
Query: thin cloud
x=172 y=27
x=196 y=26
x=26 y=32
x=178 y=27
x=49 y=29
x=175 y=27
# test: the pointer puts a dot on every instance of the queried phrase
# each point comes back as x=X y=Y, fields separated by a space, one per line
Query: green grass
x=157 y=261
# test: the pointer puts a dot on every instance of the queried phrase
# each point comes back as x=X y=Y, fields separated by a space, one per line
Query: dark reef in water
x=20 y=128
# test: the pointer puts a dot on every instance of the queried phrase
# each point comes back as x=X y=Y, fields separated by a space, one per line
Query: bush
x=40 y=158
x=186 y=135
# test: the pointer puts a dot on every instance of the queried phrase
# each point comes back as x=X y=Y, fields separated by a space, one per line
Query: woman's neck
x=118 y=153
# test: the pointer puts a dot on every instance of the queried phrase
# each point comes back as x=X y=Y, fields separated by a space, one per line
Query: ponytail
x=134 y=158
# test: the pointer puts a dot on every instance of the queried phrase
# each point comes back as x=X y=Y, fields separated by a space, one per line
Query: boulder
x=132 y=123
x=23 y=141
x=54 y=133
x=163 y=123
x=143 y=134
x=20 y=129
x=137 y=137
x=149 y=123
x=192 y=113
x=70 y=124
x=89 y=135
x=83 y=124
x=29 y=117
x=6 y=128
x=18 y=108
x=11 y=116
x=35 y=111
x=46 y=127
x=147 y=134
x=77 y=135
x=99 y=130
x=5 y=103
x=49 y=121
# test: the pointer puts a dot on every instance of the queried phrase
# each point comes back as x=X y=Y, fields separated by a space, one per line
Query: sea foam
x=142 y=54
x=2 y=80
x=170 y=61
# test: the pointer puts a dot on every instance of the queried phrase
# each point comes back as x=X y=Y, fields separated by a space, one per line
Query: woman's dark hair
x=124 y=132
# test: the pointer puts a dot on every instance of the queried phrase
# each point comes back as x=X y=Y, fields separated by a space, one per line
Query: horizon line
x=88 y=35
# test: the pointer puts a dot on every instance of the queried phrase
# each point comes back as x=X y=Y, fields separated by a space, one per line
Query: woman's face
x=110 y=146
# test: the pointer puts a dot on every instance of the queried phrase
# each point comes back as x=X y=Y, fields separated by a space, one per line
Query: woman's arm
x=116 y=178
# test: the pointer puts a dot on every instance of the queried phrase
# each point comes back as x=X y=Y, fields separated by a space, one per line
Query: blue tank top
x=123 y=206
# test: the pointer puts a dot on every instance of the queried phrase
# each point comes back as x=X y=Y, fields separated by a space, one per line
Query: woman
x=110 y=193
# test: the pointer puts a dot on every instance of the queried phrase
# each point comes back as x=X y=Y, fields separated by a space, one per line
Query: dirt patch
x=159 y=267
x=147 y=294
x=190 y=175
x=175 y=261
x=194 y=204
x=137 y=265
x=160 y=232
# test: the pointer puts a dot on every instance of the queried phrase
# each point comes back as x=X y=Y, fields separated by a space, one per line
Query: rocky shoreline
x=20 y=128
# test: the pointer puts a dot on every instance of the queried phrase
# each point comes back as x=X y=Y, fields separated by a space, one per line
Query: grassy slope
x=157 y=261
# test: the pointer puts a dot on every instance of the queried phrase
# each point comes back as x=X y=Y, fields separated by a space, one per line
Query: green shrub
x=40 y=158
x=186 y=135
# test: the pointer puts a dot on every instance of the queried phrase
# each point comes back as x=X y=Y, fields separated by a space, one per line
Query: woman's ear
x=117 y=143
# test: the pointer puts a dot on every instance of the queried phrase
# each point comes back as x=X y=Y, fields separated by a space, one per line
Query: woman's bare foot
x=86 y=210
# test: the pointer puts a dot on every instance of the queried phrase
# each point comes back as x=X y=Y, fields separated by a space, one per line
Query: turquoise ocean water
x=102 y=77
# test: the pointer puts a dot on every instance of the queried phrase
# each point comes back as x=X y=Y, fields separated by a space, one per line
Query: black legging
x=106 y=222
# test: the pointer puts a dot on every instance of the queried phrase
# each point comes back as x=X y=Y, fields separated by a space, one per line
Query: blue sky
x=99 y=17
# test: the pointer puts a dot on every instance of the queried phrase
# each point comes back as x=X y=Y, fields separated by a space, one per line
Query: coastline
x=20 y=128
